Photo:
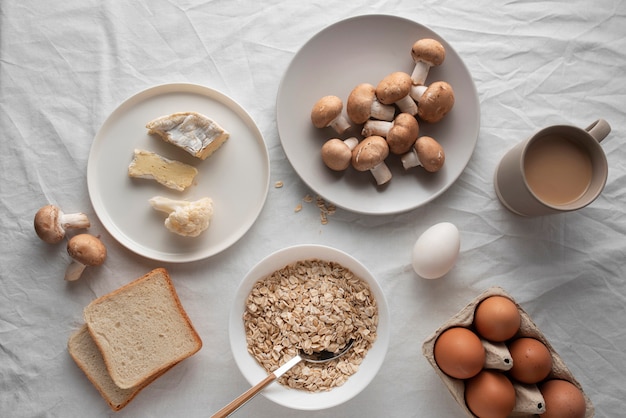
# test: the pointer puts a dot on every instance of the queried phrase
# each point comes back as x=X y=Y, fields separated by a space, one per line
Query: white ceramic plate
x=365 y=49
x=254 y=373
x=236 y=176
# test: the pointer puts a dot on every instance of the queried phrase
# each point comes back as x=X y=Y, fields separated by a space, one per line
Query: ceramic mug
x=561 y=168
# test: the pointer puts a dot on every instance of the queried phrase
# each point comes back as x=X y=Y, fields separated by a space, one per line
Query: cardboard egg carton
x=529 y=401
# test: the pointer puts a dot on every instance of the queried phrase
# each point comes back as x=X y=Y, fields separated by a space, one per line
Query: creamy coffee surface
x=558 y=170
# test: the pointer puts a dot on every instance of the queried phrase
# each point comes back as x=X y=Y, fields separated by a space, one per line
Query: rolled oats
x=310 y=305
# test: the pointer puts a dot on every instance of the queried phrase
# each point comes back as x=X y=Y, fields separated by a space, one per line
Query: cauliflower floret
x=185 y=218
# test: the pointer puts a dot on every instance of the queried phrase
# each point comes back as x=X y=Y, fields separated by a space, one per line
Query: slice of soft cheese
x=197 y=134
x=170 y=173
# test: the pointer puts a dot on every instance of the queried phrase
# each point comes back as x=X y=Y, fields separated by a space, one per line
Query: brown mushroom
x=395 y=89
x=337 y=153
x=426 y=53
x=85 y=250
x=434 y=101
x=363 y=104
x=370 y=155
x=426 y=152
x=327 y=111
x=50 y=223
x=401 y=134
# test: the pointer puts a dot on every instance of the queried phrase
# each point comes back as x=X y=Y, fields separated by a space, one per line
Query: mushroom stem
x=376 y=127
x=381 y=173
x=351 y=142
x=74 y=271
x=407 y=105
x=340 y=124
x=73 y=220
x=420 y=72
x=417 y=92
x=410 y=159
x=381 y=111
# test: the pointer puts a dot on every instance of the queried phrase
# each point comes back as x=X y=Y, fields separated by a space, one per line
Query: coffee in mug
x=560 y=168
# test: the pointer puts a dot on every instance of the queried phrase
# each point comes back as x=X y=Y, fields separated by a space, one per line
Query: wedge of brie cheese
x=170 y=173
x=197 y=134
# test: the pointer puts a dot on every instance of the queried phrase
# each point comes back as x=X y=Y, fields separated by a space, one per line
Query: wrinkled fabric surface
x=66 y=65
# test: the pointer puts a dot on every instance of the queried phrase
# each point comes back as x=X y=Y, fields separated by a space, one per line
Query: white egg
x=436 y=250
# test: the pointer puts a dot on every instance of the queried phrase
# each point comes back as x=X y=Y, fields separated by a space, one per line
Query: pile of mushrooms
x=51 y=225
x=388 y=115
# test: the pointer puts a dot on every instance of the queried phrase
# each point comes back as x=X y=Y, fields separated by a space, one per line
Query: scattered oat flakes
x=326 y=209
x=278 y=184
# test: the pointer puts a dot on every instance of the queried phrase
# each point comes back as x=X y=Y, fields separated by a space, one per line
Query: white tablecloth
x=66 y=65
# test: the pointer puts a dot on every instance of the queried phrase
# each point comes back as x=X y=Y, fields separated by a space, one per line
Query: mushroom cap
x=393 y=87
x=47 y=225
x=87 y=249
x=370 y=152
x=436 y=102
x=325 y=110
x=403 y=133
x=359 y=104
x=428 y=50
x=336 y=154
x=430 y=153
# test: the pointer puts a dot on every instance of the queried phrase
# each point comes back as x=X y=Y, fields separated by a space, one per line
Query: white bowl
x=302 y=399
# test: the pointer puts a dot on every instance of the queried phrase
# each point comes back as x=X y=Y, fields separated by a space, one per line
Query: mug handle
x=599 y=129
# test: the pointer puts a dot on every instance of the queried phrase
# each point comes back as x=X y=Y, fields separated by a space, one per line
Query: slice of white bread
x=89 y=359
x=141 y=329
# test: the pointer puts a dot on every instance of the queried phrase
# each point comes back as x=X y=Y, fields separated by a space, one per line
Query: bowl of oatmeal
x=309 y=298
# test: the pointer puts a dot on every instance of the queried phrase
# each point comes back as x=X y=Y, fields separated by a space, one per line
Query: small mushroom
x=337 y=153
x=363 y=104
x=51 y=223
x=426 y=53
x=401 y=134
x=327 y=111
x=395 y=89
x=85 y=250
x=426 y=152
x=434 y=101
x=370 y=155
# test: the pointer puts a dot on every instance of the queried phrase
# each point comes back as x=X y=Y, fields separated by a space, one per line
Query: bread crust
x=90 y=363
x=142 y=334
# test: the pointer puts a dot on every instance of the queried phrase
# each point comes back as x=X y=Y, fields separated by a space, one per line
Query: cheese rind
x=170 y=173
x=195 y=133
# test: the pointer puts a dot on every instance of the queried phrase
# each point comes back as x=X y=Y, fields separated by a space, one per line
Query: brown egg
x=563 y=400
x=459 y=353
x=497 y=318
x=490 y=394
x=532 y=361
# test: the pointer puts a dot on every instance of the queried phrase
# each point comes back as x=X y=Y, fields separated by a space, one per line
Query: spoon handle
x=244 y=397
x=250 y=393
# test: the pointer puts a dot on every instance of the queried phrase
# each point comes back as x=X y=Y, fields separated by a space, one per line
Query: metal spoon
x=316 y=357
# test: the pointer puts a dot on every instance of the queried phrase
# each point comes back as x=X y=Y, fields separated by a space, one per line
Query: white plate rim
x=253 y=372
x=332 y=192
x=209 y=94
